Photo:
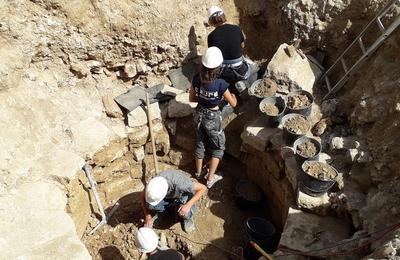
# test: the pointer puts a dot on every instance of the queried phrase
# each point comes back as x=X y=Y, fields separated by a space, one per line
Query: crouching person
x=172 y=192
x=147 y=241
x=210 y=92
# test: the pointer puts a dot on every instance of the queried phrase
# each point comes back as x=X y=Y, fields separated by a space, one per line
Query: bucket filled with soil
x=273 y=109
x=300 y=102
x=294 y=126
x=306 y=148
x=248 y=194
x=317 y=177
x=263 y=88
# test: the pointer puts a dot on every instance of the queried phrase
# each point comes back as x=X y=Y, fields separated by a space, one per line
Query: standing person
x=210 y=91
x=147 y=242
x=172 y=190
x=230 y=40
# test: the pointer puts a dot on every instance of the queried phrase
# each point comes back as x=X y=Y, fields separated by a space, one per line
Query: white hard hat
x=156 y=190
x=212 y=58
x=213 y=10
x=147 y=239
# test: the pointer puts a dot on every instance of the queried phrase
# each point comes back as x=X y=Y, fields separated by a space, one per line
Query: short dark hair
x=209 y=75
x=217 y=19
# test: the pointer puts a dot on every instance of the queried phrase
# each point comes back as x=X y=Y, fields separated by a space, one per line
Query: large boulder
x=181 y=106
x=293 y=70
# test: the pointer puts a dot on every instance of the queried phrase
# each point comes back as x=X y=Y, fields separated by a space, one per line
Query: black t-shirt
x=169 y=254
x=228 y=39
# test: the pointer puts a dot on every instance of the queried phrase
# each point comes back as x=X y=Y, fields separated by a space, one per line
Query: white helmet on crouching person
x=212 y=58
x=147 y=240
x=156 y=190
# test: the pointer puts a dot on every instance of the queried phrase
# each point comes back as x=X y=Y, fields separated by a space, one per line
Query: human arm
x=199 y=190
x=148 y=219
x=230 y=98
x=192 y=94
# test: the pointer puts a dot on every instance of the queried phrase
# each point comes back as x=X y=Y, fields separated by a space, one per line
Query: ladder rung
x=344 y=65
x=380 y=25
x=328 y=83
x=360 y=42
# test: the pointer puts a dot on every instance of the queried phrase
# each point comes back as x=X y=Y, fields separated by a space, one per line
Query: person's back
x=228 y=38
x=169 y=254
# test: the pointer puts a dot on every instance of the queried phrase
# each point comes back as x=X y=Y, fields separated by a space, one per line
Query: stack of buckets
x=309 y=184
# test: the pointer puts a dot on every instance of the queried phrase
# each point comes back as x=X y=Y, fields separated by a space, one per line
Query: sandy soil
x=270 y=109
x=320 y=170
x=297 y=125
x=306 y=149
x=266 y=88
x=298 y=101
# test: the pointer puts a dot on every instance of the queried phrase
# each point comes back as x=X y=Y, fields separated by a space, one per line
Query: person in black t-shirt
x=147 y=242
x=230 y=40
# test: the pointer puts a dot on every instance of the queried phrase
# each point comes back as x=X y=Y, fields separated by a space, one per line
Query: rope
x=386 y=230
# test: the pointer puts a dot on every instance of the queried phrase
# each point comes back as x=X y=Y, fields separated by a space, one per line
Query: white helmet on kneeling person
x=156 y=190
x=147 y=240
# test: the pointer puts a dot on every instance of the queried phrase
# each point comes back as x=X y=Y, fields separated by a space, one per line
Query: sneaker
x=188 y=225
x=197 y=175
x=240 y=86
x=216 y=178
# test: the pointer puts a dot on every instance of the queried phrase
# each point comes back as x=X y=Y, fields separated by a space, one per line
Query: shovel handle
x=260 y=250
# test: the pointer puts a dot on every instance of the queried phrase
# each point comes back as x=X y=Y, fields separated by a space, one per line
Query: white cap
x=213 y=10
x=156 y=190
x=212 y=58
x=147 y=239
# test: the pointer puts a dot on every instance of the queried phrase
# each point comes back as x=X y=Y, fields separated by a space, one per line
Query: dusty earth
x=306 y=149
x=265 y=88
x=297 y=125
x=117 y=240
x=270 y=109
x=320 y=170
x=297 y=101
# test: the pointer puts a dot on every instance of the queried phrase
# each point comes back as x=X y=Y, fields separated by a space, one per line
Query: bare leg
x=213 y=167
x=199 y=164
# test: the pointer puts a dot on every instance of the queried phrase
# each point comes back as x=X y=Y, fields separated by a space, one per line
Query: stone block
x=130 y=69
x=110 y=106
x=149 y=167
x=301 y=229
x=116 y=188
x=117 y=167
x=171 y=126
x=138 y=136
x=180 y=157
x=138 y=153
x=296 y=71
x=170 y=91
x=110 y=153
x=319 y=205
x=138 y=116
x=257 y=135
x=180 y=106
x=292 y=171
x=162 y=143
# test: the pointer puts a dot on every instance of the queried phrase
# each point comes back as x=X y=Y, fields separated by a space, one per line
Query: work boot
x=188 y=224
x=241 y=86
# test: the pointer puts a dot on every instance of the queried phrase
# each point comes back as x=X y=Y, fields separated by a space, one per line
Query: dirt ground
x=218 y=218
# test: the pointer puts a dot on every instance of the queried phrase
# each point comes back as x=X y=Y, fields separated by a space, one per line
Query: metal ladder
x=366 y=52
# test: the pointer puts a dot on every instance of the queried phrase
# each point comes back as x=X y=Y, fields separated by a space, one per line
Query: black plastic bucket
x=248 y=195
x=306 y=111
x=262 y=232
x=299 y=158
x=288 y=136
x=314 y=186
x=280 y=103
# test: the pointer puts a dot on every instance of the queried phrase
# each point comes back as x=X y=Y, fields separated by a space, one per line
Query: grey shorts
x=209 y=133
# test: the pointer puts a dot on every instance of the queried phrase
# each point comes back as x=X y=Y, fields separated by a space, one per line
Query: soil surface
x=320 y=170
x=298 y=101
x=218 y=220
x=250 y=191
x=270 y=109
x=307 y=149
x=297 y=125
x=266 y=88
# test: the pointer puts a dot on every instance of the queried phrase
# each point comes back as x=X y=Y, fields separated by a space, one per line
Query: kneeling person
x=172 y=189
x=147 y=242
